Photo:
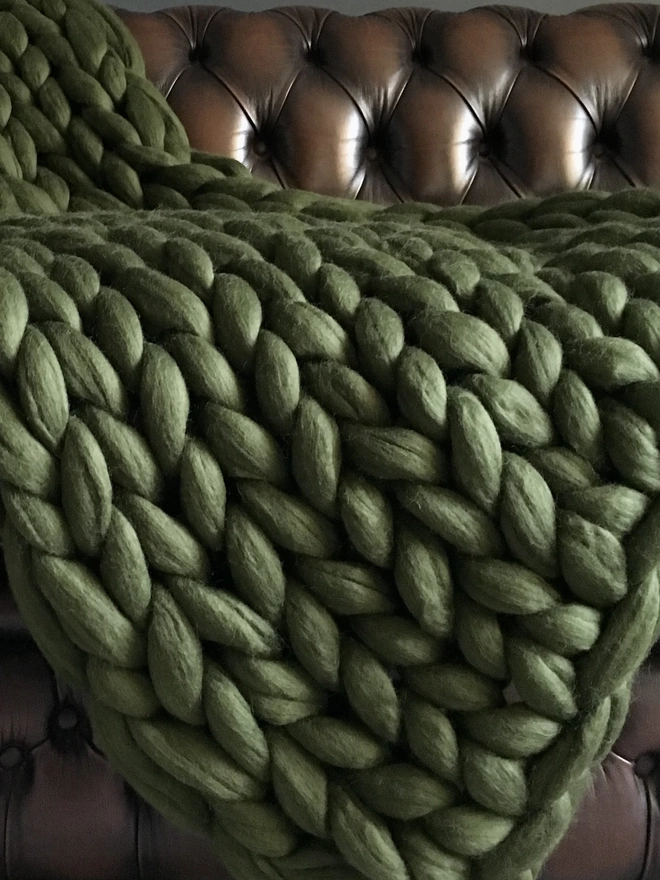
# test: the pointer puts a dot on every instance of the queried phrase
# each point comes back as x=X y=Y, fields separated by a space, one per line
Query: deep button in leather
x=10 y=757
x=529 y=52
x=371 y=154
x=650 y=51
x=67 y=718
x=69 y=729
x=422 y=55
x=645 y=765
x=260 y=148
x=315 y=55
x=607 y=141
x=492 y=143
x=198 y=53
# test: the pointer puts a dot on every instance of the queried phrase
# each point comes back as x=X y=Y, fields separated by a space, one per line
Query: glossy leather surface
x=416 y=104
x=404 y=104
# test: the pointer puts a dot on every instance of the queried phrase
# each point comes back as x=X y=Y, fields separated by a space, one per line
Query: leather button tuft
x=67 y=718
x=645 y=765
x=260 y=148
x=10 y=757
x=69 y=729
x=315 y=55
x=492 y=143
x=371 y=154
x=528 y=52
x=198 y=53
x=606 y=142
x=422 y=55
x=650 y=51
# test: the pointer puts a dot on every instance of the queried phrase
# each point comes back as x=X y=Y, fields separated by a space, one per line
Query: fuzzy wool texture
x=346 y=518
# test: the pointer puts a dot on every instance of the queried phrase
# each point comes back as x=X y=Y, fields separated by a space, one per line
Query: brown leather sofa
x=478 y=107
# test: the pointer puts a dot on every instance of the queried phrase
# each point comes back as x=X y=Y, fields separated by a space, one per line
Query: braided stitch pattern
x=348 y=525
x=74 y=106
x=345 y=516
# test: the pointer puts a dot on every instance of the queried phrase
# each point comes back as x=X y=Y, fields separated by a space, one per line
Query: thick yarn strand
x=346 y=517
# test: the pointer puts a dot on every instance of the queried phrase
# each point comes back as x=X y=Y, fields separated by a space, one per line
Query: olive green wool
x=347 y=518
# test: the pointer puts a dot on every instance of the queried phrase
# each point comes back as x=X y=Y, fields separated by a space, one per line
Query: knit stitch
x=347 y=518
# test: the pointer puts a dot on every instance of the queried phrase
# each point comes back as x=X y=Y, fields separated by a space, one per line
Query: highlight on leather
x=346 y=518
x=417 y=103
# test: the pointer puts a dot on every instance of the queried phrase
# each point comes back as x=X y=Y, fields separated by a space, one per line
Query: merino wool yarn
x=346 y=518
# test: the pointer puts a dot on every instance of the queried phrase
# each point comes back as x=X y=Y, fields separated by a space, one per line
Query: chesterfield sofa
x=406 y=104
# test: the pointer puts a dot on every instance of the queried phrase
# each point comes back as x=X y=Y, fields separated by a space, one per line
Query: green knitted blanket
x=346 y=518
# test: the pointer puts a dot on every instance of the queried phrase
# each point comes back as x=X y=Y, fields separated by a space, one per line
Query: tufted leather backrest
x=418 y=104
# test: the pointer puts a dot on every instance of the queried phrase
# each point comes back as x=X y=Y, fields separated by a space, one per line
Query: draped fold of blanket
x=345 y=517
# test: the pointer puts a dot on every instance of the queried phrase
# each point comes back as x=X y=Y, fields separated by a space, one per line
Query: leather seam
x=502 y=170
x=469 y=186
x=609 y=13
x=188 y=38
x=208 y=24
x=387 y=170
x=379 y=13
x=554 y=75
x=629 y=176
x=627 y=98
x=647 y=839
x=285 y=14
x=499 y=12
x=235 y=97
x=534 y=35
x=252 y=122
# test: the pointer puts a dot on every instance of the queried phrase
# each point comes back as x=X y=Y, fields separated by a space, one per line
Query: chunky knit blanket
x=346 y=518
